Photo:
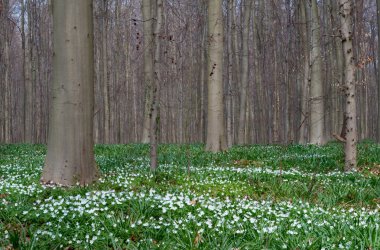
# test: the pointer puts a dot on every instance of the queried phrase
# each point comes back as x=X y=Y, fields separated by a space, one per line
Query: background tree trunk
x=154 y=112
x=7 y=87
x=216 y=140
x=378 y=72
x=230 y=11
x=147 y=10
x=105 y=80
x=316 y=86
x=70 y=157
x=304 y=30
x=244 y=71
x=350 y=93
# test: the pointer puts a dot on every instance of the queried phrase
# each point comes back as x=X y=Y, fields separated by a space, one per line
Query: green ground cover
x=254 y=197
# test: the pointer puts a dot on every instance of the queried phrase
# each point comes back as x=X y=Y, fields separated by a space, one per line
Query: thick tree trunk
x=216 y=140
x=350 y=93
x=244 y=72
x=70 y=157
x=147 y=10
x=316 y=85
x=154 y=112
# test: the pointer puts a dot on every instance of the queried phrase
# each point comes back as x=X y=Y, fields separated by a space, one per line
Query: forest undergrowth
x=251 y=197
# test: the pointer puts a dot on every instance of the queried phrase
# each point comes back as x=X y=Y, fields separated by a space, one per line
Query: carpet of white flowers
x=215 y=206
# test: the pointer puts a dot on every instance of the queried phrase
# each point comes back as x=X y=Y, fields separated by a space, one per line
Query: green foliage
x=252 y=197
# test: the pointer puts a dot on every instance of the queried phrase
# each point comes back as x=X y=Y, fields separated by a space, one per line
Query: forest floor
x=253 y=197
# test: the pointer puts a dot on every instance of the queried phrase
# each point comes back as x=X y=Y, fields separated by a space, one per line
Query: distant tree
x=216 y=137
x=346 y=9
x=304 y=35
x=244 y=71
x=154 y=111
x=70 y=157
x=378 y=71
x=317 y=115
x=147 y=9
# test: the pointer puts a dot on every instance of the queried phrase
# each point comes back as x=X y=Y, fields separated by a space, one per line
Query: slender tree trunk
x=276 y=98
x=7 y=99
x=70 y=156
x=216 y=140
x=147 y=10
x=378 y=73
x=154 y=113
x=316 y=85
x=244 y=72
x=6 y=58
x=230 y=76
x=106 y=87
x=306 y=73
x=203 y=82
x=338 y=74
x=350 y=93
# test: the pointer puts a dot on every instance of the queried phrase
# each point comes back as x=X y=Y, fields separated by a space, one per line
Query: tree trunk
x=316 y=85
x=230 y=76
x=154 y=112
x=244 y=72
x=70 y=157
x=216 y=140
x=7 y=86
x=378 y=73
x=106 y=87
x=147 y=10
x=350 y=93
x=306 y=73
x=7 y=93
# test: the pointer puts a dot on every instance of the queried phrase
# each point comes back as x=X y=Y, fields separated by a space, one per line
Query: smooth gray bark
x=346 y=8
x=244 y=72
x=154 y=113
x=378 y=73
x=147 y=8
x=316 y=85
x=70 y=156
x=216 y=137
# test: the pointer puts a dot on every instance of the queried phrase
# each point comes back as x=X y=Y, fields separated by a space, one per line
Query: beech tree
x=147 y=9
x=378 y=72
x=316 y=84
x=216 y=137
x=154 y=111
x=244 y=72
x=70 y=157
x=349 y=85
x=304 y=35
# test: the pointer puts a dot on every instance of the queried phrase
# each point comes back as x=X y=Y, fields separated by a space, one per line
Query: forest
x=189 y=124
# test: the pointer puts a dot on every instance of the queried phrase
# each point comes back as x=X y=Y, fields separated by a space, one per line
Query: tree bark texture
x=229 y=114
x=154 y=112
x=346 y=9
x=147 y=10
x=304 y=30
x=244 y=72
x=378 y=73
x=316 y=84
x=216 y=140
x=70 y=156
